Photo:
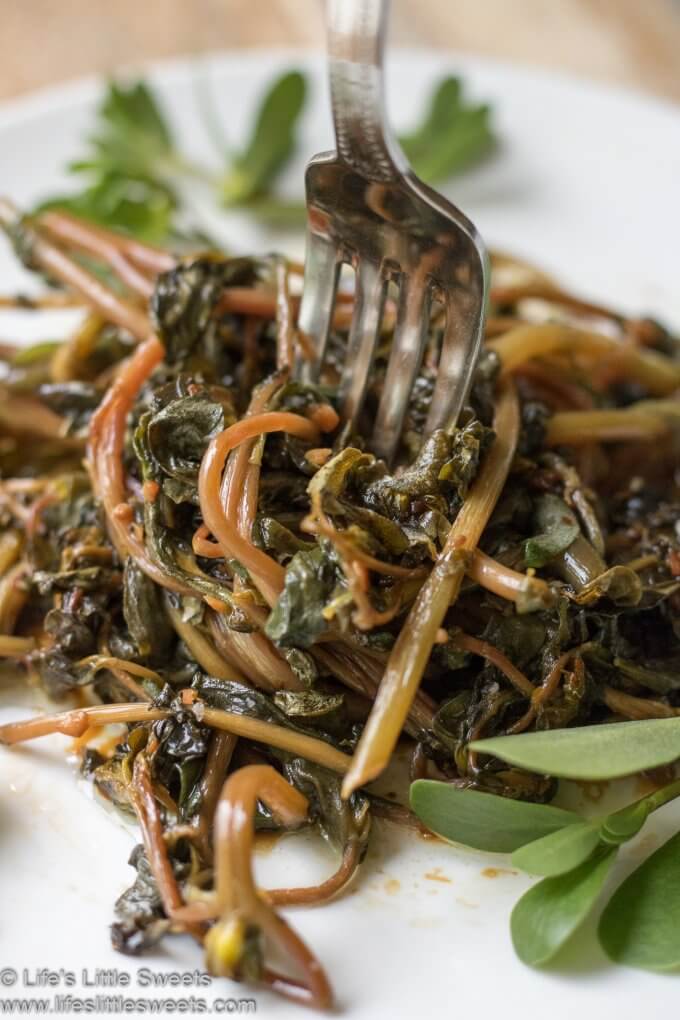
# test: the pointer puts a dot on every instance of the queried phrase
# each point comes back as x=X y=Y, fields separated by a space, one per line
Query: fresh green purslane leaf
x=606 y=751
x=35 y=353
x=271 y=142
x=132 y=135
x=552 y=910
x=140 y=207
x=452 y=136
x=559 y=851
x=134 y=172
x=574 y=856
x=482 y=820
x=130 y=167
x=277 y=213
x=565 y=849
x=622 y=825
x=445 y=102
x=640 y=925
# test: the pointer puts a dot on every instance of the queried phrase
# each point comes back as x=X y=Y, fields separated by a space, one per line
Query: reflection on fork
x=367 y=209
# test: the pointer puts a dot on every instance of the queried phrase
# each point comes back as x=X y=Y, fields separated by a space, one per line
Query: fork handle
x=356 y=37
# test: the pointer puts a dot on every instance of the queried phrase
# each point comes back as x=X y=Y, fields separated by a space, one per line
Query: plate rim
x=84 y=88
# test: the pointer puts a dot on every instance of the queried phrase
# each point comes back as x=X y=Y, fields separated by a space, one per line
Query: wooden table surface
x=632 y=42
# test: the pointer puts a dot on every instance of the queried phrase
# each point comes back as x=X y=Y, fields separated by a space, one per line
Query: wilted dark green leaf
x=184 y=299
x=342 y=822
x=556 y=530
x=144 y=614
x=297 y=619
x=179 y=434
x=140 y=918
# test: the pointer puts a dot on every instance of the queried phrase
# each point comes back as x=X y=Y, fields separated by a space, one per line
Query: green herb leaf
x=271 y=143
x=445 y=101
x=133 y=168
x=606 y=751
x=551 y=911
x=558 y=852
x=132 y=136
x=129 y=166
x=41 y=351
x=622 y=825
x=557 y=528
x=277 y=213
x=482 y=820
x=639 y=926
x=452 y=135
x=139 y=206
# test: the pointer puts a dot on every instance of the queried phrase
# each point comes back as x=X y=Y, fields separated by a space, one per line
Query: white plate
x=586 y=183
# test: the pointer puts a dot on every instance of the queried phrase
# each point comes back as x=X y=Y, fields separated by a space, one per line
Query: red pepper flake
x=188 y=697
x=216 y=604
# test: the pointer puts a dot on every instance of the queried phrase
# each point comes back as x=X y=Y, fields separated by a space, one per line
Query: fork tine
x=460 y=347
x=407 y=350
x=322 y=268
x=369 y=299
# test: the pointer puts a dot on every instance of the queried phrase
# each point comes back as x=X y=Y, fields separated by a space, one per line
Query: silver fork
x=366 y=207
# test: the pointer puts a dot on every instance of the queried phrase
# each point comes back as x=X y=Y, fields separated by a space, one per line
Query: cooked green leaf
x=297 y=618
x=140 y=919
x=184 y=299
x=143 y=612
x=342 y=822
x=620 y=584
x=556 y=527
x=482 y=820
x=180 y=432
x=640 y=924
x=590 y=752
x=559 y=851
x=551 y=911
x=309 y=704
